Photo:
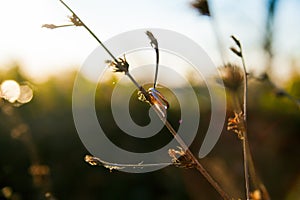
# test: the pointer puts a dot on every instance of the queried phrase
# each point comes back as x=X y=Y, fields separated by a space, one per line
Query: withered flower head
x=75 y=20
x=92 y=160
x=232 y=76
x=183 y=161
x=153 y=40
x=121 y=65
x=202 y=7
x=236 y=125
x=96 y=161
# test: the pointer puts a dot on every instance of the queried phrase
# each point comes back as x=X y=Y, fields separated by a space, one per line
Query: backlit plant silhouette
x=156 y=100
x=234 y=78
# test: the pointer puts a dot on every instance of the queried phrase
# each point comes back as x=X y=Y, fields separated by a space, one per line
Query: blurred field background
x=42 y=157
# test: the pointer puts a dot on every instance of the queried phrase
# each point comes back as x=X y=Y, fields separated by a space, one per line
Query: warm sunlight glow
x=10 y=90
x=44 y=52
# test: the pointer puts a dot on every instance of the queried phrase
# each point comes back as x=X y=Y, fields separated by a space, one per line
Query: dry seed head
x=153 y=40
x=75 y=20
x=202 y=7
x=142 y=97
x=183 y=161
x=236 y=124
x=232 y=76
x=120 y=65
x=91 y=160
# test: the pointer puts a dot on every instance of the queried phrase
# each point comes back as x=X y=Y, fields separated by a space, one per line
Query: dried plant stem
x=246 y=149
x=182 y=144
x=89 y=30
x=135 y=83
x=198 y=165
x=246 y=167
x=255 y=180
x=245 y=88
x=249 y=169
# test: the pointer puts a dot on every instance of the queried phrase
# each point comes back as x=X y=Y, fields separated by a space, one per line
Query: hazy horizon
x=42 y=52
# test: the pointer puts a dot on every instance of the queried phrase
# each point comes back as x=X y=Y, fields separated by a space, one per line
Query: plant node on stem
x=158 y=103
x=239 y=125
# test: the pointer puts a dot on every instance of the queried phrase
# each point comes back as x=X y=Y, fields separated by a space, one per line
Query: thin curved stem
x=246 y=149
x=198 y=165
x=248 y=160
x=91 y=32
x=156 y=67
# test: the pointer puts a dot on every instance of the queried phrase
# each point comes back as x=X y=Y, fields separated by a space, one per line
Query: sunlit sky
x=43 y=52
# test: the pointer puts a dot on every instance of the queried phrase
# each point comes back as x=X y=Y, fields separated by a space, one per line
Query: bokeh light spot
x=26 y=94
x=10 y=90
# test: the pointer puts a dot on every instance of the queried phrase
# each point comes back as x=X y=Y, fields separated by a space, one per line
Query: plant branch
x=193 y=161
x=154 y=44
x=198 y=165
x=122 y=66
x=245 y=138
x=89 y=30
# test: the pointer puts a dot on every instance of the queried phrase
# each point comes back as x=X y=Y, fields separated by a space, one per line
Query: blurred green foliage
x=273 y=134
